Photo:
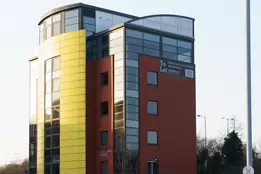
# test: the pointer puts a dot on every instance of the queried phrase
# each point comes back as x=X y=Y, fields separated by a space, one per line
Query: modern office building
x=112 y=93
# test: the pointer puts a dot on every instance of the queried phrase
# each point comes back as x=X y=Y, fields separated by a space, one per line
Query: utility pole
x=249 y=95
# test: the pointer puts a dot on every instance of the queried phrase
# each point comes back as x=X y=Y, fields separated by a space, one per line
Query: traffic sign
x=248 y=170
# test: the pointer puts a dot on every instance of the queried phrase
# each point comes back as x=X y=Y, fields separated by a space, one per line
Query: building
x=112 y=93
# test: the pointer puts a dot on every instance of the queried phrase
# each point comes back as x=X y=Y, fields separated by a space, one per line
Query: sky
x=220 y=57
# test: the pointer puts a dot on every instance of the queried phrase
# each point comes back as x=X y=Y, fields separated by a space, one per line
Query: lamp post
x=234 y=123
x=248 y=73
x=205 y=119
x=227 y=119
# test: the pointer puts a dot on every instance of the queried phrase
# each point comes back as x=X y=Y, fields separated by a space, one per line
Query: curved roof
x=78 y=5
x=176 y=24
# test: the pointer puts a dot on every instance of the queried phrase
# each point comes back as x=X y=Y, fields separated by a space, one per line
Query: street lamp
x=230 y=119
x=205 y=119
x=249 y=95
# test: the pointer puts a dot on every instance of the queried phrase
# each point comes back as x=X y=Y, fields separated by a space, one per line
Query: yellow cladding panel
x=71 y=121
x=73 y=77
x=73 y=99
x=72 y=150
x=72 y=135
x=72 y=128
x=73 y=157
x=73 y=92
x=73 y=48
x=72 y=106
x=73 y=142
x=73 y=84
x=72 y=164
x=76 y=69
x=73 y=55
x=73 y=41
x=73 y=113
x=73 y=171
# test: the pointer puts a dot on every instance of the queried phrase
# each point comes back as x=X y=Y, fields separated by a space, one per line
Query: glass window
x=71 y=21
x=153 y=137
x=131 y=70
x=151 y=52
x=132 y=131
x=55 y=140
x=47 y=142
x=153 y=167
x=104 y=108
x=104 y=79
x=169 y=41
x=89 y=27
x=132 y=63
x=56 y=28
x=132 y=93
x=130 y=55
x=48 y=65
x=71 y=13
x=132 y=108
x=118 y=108
x=132 y=146
x=151 y=37
x=71 y=28
x=133 y=33
x=153 y=107
x=184 y=52
x=48 y=101
x=56 y=98
x=133 y=48
x=132 y=78
x=55 y=155
x=169 y=48
x=104 y=138
x=88 y=20
x=48 y=32
x=134 y=41
x=131 y=123
x=132 y=116
x=132 y=101
x=152 y=78
x=104 y=167
x=56 y=112
x=48 y=21
x=168 y=55
x=132 y=139
x=149 y=44
x=48 y=114
x=118 y=124
x=48 y=87
x=184 y=44
x=57 y=18
x=56 y=84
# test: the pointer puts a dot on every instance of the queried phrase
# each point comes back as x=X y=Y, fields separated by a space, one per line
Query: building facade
x=112 y=93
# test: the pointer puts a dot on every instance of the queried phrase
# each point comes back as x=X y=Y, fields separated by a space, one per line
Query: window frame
x=150 y=84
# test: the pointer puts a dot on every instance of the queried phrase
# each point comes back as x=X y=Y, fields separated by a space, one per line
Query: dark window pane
x=47 y=169
x=132 y=70
x=132 y=139
x=132 y=108
x=153 y=107
x=169 y=48
x=132 y=78
x=47 y=142
x=133 y=48
x=169 y=41
x=104 y=138
x=55 y=140
x=118 y=116
x=118 y=108
x=47 y=128
x=132 y=146
x=89 y=27
x=153 y=45
x=55 y=155
x=56 y=169
x=151 y=52
x=151 y=37
x=134 y=41
x=56 y=112
x=104 y=79
x=171 y=56
x=132 y=116
x=133 y=33
x=104 y=108
x=104 y=167
x=184 y=44
x=132 y=101
x=47 y=156
x=132 y=131
x=118 y=124
x=88 y=20
x=152 y=78
x=133 y=56
x=184 y=52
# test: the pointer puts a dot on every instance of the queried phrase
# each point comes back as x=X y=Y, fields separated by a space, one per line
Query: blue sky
x=219 y=54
